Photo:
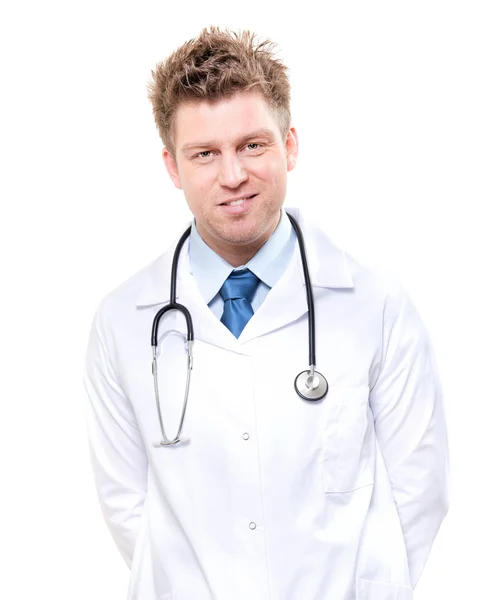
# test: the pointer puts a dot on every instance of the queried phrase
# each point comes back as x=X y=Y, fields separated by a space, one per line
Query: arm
x=119 y=460
x=407 y=404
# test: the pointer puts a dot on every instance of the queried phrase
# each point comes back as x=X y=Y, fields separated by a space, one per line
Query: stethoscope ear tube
x=189 y=338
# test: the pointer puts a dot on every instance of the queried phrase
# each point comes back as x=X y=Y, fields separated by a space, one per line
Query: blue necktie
x=237 y=292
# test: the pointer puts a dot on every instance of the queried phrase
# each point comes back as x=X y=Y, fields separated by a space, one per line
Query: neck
x=237 y=255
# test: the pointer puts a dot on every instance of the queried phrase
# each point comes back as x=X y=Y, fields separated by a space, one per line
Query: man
x=267 y=494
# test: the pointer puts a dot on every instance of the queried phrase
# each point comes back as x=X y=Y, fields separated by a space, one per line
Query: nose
x=232 y=172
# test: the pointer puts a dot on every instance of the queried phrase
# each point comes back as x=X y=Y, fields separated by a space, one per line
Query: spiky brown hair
x=216 y=65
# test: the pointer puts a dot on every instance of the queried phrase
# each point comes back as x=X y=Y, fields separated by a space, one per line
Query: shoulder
x=121 y=301
x=144 y=288
x=372 y=276
x=383 y=289
x=336 y=267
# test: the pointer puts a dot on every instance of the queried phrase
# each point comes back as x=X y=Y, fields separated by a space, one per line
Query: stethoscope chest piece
x=312 y=387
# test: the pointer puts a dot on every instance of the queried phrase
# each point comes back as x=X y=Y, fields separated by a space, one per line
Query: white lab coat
x=271 y=497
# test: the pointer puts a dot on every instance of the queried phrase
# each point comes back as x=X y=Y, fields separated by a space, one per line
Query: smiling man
x=234 y=173
x=263 y=475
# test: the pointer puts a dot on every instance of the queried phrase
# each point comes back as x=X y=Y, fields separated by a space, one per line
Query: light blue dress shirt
x=211 y=271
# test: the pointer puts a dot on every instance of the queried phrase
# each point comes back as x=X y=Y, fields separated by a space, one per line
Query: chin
x=238 y=228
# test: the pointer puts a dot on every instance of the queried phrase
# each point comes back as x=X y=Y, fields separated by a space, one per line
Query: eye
x=254 y=144
x=204 y=152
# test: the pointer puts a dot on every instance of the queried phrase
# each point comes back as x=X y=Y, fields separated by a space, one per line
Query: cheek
x=198 y=184
x=270 y=171
x=273 y=178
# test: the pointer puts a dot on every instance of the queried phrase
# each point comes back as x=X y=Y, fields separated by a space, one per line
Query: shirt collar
x=329 y=266
x=210 y=270
x=273 y=257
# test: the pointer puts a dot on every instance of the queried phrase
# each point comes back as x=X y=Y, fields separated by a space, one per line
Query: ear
x=292 y=148
x=171 y=167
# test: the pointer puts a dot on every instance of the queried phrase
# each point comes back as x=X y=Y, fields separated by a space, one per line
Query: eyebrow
x=263 y=132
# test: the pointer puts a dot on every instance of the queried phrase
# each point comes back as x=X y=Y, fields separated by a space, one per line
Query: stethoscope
x=310 y=385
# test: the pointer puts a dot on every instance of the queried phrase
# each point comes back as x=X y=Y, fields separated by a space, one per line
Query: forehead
x=223 y=120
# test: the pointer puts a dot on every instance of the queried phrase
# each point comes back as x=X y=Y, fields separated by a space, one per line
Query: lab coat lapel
x=285 y=303
x=207 y=327
x=155 y=292
x=287 y=300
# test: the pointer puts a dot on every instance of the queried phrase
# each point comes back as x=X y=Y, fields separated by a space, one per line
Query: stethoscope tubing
x=308 y=288
x=173 y=305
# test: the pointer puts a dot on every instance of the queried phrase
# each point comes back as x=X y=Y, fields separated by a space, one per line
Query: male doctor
x=267 y=496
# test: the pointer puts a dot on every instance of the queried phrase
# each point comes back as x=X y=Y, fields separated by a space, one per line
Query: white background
x=385 y=103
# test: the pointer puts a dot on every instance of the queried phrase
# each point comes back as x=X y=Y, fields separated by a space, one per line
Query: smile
x=237 y=206
x=238 y=201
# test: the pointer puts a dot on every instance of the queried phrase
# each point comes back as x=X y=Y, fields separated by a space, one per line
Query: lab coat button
x=245 y=436
x=252 y=525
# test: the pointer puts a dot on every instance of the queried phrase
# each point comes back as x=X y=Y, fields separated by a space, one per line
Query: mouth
x=239 y=201
x=238 y=206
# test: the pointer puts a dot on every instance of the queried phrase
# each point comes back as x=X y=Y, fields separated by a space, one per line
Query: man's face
x=226 y=151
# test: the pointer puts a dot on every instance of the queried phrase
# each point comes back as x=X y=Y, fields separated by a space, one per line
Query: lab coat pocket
x=376 y=590
x=349 y=450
